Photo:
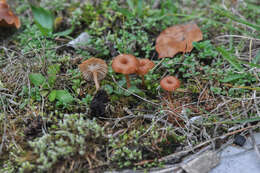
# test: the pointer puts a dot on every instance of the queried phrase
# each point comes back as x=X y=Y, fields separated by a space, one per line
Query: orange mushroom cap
x=93 y=65
x=144 y=66
x=125 y=64
x=170 y=83
x=177 y=39
x=7 y=17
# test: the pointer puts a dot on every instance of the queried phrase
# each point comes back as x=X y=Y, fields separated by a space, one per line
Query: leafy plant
x=63 y=96
x=37 y=79
x=206 y=49
x=136 y=8
x=44 y=19
x=52 y=72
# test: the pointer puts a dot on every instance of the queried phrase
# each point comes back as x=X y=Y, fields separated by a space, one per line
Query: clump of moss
x=143 y=143
x=74 y=138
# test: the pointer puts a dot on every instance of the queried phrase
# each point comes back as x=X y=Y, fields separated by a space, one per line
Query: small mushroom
x=94 y=69
x=177 y=38
x=7 y=17
x=125 y=64
x=170 y=84
x=144 y=66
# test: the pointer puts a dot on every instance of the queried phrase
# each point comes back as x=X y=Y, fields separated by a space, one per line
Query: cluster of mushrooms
x=172 y=40
x=95 y=69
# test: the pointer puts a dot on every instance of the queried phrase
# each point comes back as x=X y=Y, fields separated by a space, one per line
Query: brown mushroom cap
x=125 y=64
x=92 y=65
x=170 y=83
x=7 y=17
x=144 y=66
x=178 y=38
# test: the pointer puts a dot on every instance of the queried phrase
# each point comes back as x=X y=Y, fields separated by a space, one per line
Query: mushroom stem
x=169 y=93
x=96 y=80
x=143 y=80
x=127 y=81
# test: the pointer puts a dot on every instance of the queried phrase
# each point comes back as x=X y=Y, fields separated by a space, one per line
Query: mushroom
x=7 y=17
x=125 y=64
x=144 y=66
x=94 y=69
x=170 y=84
x=178 y=38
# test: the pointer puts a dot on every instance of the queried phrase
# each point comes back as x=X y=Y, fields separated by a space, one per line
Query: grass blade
x=233 y=61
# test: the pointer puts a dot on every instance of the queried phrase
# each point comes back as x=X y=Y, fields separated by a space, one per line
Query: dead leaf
x=7 y=17
x=177 y=39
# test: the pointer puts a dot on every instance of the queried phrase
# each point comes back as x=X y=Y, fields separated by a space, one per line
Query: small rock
x=80 y=42
x=239 y=140
x=196 y=120
x=202 y=164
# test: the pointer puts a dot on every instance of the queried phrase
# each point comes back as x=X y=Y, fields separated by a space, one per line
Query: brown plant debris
x=34 y=127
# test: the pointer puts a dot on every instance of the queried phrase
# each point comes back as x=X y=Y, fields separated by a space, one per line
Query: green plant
x=43 y=86
x=206 y=49
x=222 y=66
x=62 y=96
x=130 y=148
x=43 y=19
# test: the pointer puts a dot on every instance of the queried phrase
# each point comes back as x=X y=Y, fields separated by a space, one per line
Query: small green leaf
x=52 y=80
x=233 y=77
x=257 y=58
x=140 y=8
x=37 y=79
x=136 y=90
x=131 y=4
x=64 y=33
x=44 y=93
x=53 y=69
x=52 y=72
x=52 y=96
x=108 y=88
x=125 y=12
x=230 y=15
x=43 y=19
x=64 y=96
x=216 y=90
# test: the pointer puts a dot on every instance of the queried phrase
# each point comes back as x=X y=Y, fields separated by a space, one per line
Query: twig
x=238 y=36
x=5 y=122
